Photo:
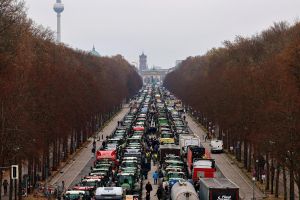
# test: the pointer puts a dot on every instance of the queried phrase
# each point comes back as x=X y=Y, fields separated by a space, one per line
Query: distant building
x=143 y=62
x=153 y=75
x=156 y=67
x=94 y=52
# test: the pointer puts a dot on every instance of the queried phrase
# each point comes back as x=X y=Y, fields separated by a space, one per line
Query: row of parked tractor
x=116 y=173
x=188 y=170
x=156 y=124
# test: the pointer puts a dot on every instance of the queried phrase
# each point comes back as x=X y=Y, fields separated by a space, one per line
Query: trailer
x=203 y=168
x=194 y=152
x=166 y=149
x=187 y=140
x=109 y=193
x=183 y=190
x=218 y=189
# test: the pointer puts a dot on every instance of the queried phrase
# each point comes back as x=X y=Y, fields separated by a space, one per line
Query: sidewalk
x=150 y=178
x=72 y=170
x=230 y=171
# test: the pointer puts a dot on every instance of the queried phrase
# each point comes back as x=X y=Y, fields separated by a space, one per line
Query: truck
x=187 y=140
x=166 y=149
x=183 y=190
x=203 y=168
x=194 y=152
x=218 y=189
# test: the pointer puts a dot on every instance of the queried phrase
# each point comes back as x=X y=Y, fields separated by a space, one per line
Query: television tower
x=58 y=8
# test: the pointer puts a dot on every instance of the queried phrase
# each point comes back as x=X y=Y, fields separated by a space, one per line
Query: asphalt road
x=227 y=168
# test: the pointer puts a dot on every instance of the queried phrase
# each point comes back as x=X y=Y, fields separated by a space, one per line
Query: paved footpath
x=228 y=169
x=72 y=171
x=150 y=178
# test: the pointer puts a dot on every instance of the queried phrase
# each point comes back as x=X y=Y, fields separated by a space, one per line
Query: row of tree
x=52 y=97
x=250 y=89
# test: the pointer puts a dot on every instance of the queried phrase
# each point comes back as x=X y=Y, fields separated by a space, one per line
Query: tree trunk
x=284 y=183
x=239 y=155
x=54 y=155
x=34 y=174
x=44 y=165
x=292 y=189
x=267 y=172
x=249 y=158
x=78 y=133
x=10 y=189
x=72 y=143
x=59 y=150
x=277 y=181
x=245 y=154
x=272 y=175
x=65 y=148
x=298 y=184
x=47 y=166
x=1 y=177
x=30 y=170
x=227 y=140
x=20 y=181
x=101 y=120
x=85 y=133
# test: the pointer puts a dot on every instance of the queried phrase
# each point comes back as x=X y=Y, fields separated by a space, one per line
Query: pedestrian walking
x=148 y=188
x=156 y=147
x=147 y=195
x=155 y=177
x=145 y=173
x=5 y=185
x=148 y=156
x=63 y=185
x=159 y=192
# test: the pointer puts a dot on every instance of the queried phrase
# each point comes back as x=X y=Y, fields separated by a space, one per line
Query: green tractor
x=130 y=182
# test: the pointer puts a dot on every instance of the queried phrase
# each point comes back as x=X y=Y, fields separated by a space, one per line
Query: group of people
x=161 y=192
x=151 y=154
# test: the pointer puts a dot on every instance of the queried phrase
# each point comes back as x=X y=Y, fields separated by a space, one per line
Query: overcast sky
x=166 y=30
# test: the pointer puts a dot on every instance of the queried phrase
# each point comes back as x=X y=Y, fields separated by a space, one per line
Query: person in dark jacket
x=148 y=187
x=5 y=185
x=148 y=196
x=159 y=192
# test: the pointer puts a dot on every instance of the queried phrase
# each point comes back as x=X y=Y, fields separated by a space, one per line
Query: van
x=216 y=146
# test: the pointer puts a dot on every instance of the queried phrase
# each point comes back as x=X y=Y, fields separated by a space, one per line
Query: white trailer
x=109 y=193
x=187 y=140
x=183 y=190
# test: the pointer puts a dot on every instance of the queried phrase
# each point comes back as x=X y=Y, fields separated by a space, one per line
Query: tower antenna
x=58 y=8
